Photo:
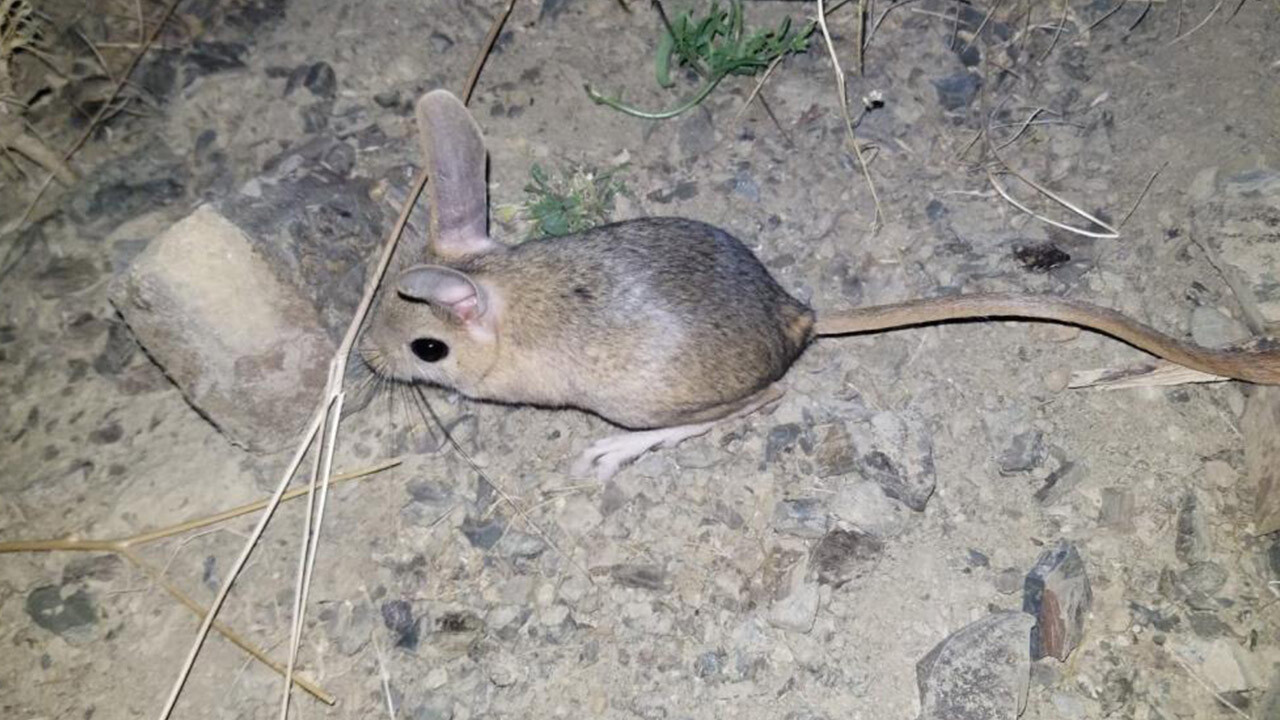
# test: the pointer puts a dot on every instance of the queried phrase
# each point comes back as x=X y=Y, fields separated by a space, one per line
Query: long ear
x=453 y=149
x=445 y=288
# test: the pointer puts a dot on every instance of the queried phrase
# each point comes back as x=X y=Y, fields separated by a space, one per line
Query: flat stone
x=1117 y=507
x=799 y=608
x=1057 y=594
x=246 y=350
x=897 y=454
x=60 y=611
x=1025 y=451
x=835 y=453
x=801 y=517
x=845 y=554
x=980 y=672
x=1191 y=544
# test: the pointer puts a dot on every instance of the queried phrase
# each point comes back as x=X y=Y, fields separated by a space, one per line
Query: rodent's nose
x=429 y=349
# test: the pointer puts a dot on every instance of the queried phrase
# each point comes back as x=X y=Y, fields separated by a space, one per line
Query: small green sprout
x=714 y=46
x=577 y=199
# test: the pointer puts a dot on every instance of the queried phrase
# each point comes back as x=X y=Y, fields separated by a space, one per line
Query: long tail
x=1256 y=366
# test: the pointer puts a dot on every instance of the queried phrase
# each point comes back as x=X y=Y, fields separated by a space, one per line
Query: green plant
x=714 y=46
x=577 y=199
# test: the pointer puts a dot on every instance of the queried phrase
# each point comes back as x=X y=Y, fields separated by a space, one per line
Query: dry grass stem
x=1062 y=23
x=1145 y=189
x=1204 y=683
x=474 y=76
x=1141 y=16
x=334 y=394
x=1105 y=15
x=843 y=97
x=1180 y=37
x=982 y=25
x=383 y=675
x=124 y=547
x=1110 y=231
x=756 y=90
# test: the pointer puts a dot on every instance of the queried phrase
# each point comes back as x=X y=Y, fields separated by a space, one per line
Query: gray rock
x=321 y=80
x=835 y=453
x=781 y=439
x=1211 y=328
x=864 y=505
x=1058 y=595
x=798 y=609
x=483 y=534
x=801 y=517
x=1191 y=544
x=505 y=621
x=65 y=276
x=1025 y=451
x=898 y=456
x=1259 y=183
x=61 y=611
x=645 y=577
x=440 y=42
x=1116 y=511
x=957 y=91
x=981 y=672
x=247 y=351
x=710 y=663
x=520 y=545
x=1204 y=578
x=745 y=185
x=845 y=554
x=397 y=616
x=118 y=351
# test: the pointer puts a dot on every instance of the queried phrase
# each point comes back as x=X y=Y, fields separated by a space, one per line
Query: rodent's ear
x=445 y=288
x=453 y=149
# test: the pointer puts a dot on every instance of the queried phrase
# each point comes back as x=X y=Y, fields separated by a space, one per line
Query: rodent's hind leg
x=607 y=455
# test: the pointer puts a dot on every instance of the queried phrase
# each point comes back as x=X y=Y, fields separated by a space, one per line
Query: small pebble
x=1055 y=381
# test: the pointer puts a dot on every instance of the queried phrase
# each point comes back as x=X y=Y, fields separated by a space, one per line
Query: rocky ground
x=760 y=571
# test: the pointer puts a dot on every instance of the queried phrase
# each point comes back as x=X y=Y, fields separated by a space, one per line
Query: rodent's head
x=436 y=325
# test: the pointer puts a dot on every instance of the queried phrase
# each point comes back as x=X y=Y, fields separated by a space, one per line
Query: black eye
x=429 y=349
